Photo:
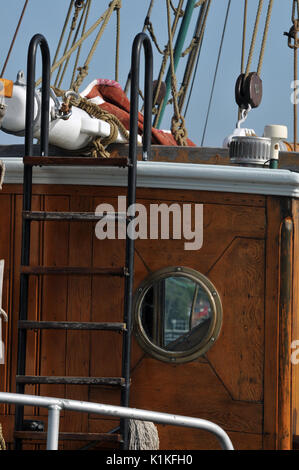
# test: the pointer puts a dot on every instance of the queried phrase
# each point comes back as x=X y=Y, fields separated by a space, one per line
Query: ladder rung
x=73 y=270
x=74 y=216
x=67 y=436
x=38 y=379
x=70 y=325
x=76 y=161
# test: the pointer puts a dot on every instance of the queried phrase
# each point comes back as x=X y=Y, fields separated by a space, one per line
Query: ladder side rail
x=37 y=40
x=140 y=40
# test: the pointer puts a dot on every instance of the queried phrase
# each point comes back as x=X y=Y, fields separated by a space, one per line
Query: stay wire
x=198 y=57
x=14 y=38
x=216 y=71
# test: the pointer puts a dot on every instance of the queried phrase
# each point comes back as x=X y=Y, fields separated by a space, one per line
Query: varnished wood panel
x=239 y=273
x=200 y=440
x=6 y=223
x=235 y=385
x=295 y=326
x=192 y=390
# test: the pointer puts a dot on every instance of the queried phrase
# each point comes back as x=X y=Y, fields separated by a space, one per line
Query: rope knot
x=179 y=130
x=118 y=6
x=82 y=73
x=293 y=41
x=99 y=149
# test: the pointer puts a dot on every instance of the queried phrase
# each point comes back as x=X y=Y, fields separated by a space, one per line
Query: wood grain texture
x=285 y=334
x=192 y=390
x=239 y=273
x=193 y=439
x=295 y=326
x=235 y=385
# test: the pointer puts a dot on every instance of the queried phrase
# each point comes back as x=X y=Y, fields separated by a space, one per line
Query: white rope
x=143 y=435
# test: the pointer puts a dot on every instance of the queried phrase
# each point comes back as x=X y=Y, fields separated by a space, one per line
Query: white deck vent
x=250 y=151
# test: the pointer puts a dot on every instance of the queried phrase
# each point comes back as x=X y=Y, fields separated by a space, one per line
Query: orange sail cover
x=109 y=95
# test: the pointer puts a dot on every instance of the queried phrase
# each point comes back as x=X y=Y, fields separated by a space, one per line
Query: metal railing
x=56 y=405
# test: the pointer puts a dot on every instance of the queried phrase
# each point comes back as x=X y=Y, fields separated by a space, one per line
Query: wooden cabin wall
x=231 y=385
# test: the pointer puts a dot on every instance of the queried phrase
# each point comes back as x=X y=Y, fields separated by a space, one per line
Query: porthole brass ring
x=215 y=325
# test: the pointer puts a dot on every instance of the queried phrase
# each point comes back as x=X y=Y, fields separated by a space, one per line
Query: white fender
x=72 y=134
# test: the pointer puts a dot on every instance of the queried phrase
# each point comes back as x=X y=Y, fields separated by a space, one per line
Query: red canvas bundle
x=109 y=95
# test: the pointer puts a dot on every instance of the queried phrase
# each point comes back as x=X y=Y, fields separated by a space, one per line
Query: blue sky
x=47 y=18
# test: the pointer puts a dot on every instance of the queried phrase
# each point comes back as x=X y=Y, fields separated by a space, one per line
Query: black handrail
x=140 y=39
x=37 y=40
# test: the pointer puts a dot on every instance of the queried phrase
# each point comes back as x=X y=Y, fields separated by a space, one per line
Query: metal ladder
x=126 y=271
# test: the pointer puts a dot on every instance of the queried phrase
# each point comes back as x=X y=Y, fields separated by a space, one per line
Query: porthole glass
x=178 y=314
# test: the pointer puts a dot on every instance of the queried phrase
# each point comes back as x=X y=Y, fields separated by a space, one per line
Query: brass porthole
x=178 y=314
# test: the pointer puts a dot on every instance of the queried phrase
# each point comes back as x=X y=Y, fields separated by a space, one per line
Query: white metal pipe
x=53 y=427
x=57 y=404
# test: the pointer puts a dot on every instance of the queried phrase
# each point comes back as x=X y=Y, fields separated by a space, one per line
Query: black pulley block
x=249 y=90
x=239 y=95
x=162 y=91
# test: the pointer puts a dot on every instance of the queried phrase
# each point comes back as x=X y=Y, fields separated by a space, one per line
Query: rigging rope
x=63 y=31
x=14 y=38
x=146 y=21
x=117 y=42
x=254 y=36
x=243 y=47
x=198 y=52
x=164 y=63
x=253 y=39
x=293 y=36
x=102 y=18
x=216 y=70
x=78 y=6
x=244 y=36
x=178 y=128
x=266 y=29
x=177 y=10
x=194 y=54
x=83 y=71
x=295 y=101
x=295 y=4
x=245 y=73
x=79 y=48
